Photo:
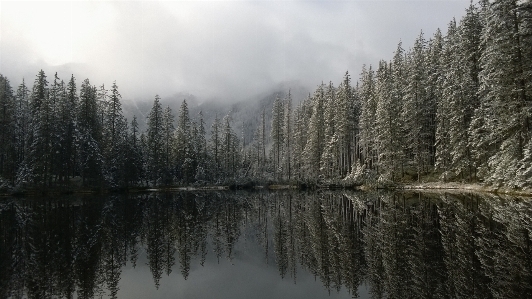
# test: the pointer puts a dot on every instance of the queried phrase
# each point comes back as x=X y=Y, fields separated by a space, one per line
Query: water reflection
x=399 y=245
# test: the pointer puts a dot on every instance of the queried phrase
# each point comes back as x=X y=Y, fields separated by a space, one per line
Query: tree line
x=454 y=107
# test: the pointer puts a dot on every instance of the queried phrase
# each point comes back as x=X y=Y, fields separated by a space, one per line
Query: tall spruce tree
x=277 y=137
x=346 y=124
x=89 y=137
x=330 y=155
x=38 y=168
x=286 y=164
x=367 y=117
x=155 y=142
x=316 y=131
x=114 y=138
x=183 y=145
x=168 y=144
x=201 y=150
x=215 y=148
x=8 y=151
x=68 y=127
x=445 y=110
x=414 y=113
x=22 y=123
x=386 y=129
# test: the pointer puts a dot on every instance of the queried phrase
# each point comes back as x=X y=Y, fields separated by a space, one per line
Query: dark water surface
x=267 y=245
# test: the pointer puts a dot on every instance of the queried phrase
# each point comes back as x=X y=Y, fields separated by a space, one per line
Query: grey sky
x=212 y=49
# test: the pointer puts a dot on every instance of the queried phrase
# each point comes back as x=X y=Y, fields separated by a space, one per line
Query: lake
x=284 y=244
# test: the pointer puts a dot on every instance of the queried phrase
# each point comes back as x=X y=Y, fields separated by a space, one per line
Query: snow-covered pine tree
x=155 y=142
x=346 y=126
x=38 y=166
x=89 y=136
x=449 y=92
x=8 y=151
x=259 y=160
x=229 y=148
x=67 y=114
x=386 y=129
x=183 y=145
x=315 y=135
x=115 y=133
x=102 y=106
x=22 y=123
x=277 y=137
x=398 y=83
x=215 y=148
x=465 y=74
x=414 y=116
x=133 y=166
x=300 y=138
x=57 y=94
x=330 y=155
x=367 y=117
x=168 y=144
x=201 y=150
x=288 y=136
x=433 y=88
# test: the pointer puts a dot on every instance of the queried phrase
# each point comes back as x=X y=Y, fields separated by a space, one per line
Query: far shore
x=464 y=187
x=431 y=187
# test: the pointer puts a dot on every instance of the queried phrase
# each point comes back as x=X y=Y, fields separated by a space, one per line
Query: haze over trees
x=456 y=106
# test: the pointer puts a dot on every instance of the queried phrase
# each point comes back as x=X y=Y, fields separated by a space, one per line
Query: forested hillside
x=454 y=106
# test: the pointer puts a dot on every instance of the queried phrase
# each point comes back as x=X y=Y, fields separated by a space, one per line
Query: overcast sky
x=212 y=49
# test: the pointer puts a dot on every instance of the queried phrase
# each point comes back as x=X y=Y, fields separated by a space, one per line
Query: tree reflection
x=439 y=245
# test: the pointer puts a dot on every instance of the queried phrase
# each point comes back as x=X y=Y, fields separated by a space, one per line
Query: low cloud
x=225 y=50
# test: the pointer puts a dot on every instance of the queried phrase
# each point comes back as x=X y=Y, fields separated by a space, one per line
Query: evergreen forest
x=454 y=107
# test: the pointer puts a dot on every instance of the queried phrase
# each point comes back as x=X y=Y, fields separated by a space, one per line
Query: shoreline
x=466 y=187
x=454 y=187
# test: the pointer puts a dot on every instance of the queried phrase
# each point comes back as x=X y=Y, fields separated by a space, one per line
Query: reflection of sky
x=248 y=275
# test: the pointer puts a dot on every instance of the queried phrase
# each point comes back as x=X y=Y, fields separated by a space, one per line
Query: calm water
x=267 y=245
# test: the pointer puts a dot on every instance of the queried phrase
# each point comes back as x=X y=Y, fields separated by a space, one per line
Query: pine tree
x=68 y=126
x=168 y=143
x=183 y=145
x=229 y=148
x=22 y=123
x=133 y=165
x=346 y=124
x=330 y=155
x=57 y=95
x=201 y=150
x=367 y=117
x=89 y=136
x=316 y=131
x=7 y=133
x=155 y=142
x=398 y=83
x=387 y=131
x=433 y=97
x=414 y=113
x=114 y=137
x=38 y=168
x=300 y=140
x=215 y=148
x=277 y=136
x=288 y=136
x=466 y=73
x=448 y=83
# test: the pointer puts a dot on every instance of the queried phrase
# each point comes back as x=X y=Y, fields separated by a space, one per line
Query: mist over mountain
x=245 y=114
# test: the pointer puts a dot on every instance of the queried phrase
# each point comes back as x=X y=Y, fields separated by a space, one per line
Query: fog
x=222 y=50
